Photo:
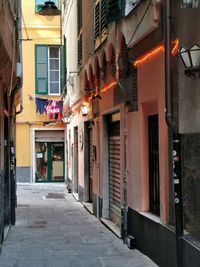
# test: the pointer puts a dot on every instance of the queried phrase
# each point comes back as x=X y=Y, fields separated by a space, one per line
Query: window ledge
x=151 y=216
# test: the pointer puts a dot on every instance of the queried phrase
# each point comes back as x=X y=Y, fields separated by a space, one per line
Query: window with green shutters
x=79 y=32
x=100 y=22
x=48 y=69
x=114 y=10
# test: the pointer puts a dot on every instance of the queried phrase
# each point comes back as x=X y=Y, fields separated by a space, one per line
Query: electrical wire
x=141 y=20
x=27 y=36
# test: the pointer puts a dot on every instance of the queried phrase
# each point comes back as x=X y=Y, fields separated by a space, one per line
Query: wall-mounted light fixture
x=66 y=120
x=85 y=109
x=49 y=9
x=191 y=60
x=190 y=3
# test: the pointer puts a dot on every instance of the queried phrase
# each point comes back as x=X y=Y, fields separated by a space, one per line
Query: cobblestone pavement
x=53 y=229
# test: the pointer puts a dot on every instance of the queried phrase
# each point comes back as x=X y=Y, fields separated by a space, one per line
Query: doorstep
x=6 y=230
x=89 y=207
x=75 y=195
x=115 y=229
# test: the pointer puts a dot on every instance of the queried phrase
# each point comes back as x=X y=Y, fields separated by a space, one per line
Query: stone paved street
x=54 y=230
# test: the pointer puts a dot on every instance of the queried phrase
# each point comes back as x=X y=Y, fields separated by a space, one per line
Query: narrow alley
x=53 y=229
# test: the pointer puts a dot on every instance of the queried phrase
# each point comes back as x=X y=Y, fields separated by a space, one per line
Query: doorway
x=75 y=161
x=114 y=169
x=154 y=177
x=49 y=161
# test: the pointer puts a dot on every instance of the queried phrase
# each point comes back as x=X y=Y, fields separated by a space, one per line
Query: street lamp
x=85 y=109
x=191 y=60
x=190 y=3
x=49 y=9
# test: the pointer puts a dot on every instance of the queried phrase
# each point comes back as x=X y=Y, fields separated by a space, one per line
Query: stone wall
x=191 y=183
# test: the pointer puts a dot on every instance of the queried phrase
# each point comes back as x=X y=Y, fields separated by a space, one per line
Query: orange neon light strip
x=175 y=49
x=105 y=88
x=156 y=51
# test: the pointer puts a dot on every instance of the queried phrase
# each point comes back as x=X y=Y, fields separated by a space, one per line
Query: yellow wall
x=36 y=29
x=23 y=145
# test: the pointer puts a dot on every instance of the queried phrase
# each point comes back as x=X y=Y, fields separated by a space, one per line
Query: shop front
x=49 y=156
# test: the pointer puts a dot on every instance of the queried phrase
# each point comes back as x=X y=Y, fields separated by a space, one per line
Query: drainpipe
x=174 y=139
x=98 y=169
x=125 y=209
x=125 y=204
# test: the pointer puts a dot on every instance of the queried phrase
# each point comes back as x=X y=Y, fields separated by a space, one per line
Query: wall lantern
x=190 y=3
x=66 y=120
x=85 y=109
x=191 y=60
x=49 y=9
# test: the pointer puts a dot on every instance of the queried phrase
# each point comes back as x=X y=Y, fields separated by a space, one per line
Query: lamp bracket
x=191 y=72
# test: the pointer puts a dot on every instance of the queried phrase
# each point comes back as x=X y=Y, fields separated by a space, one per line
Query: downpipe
x=174 y=139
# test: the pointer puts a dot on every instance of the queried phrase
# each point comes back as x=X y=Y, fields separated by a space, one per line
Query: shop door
x=114 y=172
x=154 y=179
x=49 y=162
x=75 y=162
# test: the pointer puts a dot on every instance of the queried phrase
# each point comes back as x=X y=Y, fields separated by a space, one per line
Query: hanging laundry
x=41 y=104
x=54 y=108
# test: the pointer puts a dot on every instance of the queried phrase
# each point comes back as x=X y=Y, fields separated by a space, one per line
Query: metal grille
x=114 y=173
x=154 y=180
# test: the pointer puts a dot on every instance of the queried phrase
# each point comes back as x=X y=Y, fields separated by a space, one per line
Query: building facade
x=10 y=84
x=40 y=133
x=125 y=114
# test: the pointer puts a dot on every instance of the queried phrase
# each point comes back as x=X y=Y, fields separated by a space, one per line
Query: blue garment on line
x=40 y=104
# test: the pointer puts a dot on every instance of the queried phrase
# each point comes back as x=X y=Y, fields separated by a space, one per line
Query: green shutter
x=41 y=69
x=97 y=20
x=114 y=10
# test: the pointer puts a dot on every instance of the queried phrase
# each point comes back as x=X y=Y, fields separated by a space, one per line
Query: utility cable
x=27 y=36
x=141 y=20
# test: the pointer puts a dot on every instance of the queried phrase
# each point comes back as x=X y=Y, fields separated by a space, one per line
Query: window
x=47 y=69
x=40 y=3
x=79 y=31
x=100 y=22
x=114 y=10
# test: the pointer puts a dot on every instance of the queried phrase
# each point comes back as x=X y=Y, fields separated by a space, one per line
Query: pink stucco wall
x=151 y=100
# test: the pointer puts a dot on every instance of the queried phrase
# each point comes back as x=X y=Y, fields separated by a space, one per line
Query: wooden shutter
x=41 y=69
x=114 y=10
x=79 y=15
x=97 y=20
x=80 y=50
x=100 y=22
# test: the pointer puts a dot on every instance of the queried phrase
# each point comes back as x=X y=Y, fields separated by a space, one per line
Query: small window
x=47 y=69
